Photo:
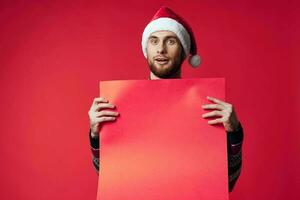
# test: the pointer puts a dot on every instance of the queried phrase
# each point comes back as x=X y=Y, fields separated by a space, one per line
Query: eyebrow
x=167 y=37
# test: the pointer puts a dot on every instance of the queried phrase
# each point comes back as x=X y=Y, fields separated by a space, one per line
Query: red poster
x=160 y=147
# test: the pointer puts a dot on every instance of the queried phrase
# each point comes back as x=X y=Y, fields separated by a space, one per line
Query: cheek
x=175 y=52
x=150 y=51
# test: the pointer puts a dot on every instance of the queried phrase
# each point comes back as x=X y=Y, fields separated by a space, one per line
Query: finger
x=215 y=121
x=213 y=114
x=218 y=101
x=106 y=113
x=104 y=119
x=103 y=105
x=213 y=106
x=98 y=100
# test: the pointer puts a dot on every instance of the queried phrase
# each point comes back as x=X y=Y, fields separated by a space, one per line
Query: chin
x=164 y=71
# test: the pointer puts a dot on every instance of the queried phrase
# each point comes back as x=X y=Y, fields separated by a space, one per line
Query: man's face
x=164 y=54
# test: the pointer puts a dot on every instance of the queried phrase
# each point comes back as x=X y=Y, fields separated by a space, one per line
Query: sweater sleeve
x=94 y=144
x=234 y=153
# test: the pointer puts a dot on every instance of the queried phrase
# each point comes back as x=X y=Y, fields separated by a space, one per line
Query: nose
x=161 y=49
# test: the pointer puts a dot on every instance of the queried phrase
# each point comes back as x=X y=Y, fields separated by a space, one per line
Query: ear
x=146 y=52
x=182 y=55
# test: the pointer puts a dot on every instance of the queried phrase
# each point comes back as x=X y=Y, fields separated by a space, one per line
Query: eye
x=154 y=41
x=172 y=41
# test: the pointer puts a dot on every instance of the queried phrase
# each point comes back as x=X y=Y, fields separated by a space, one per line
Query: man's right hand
x=98 y=115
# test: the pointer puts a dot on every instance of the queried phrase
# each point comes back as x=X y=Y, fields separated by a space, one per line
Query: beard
x=165 y=71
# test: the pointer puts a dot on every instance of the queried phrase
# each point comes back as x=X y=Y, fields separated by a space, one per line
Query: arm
x=99 y=113
x=226 y=115
x=94 y=145
x=234 y=155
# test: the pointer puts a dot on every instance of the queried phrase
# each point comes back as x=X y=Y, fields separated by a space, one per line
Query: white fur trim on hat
x=166 y=24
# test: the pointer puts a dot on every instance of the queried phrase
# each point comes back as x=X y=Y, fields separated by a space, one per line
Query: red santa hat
x=167 y=20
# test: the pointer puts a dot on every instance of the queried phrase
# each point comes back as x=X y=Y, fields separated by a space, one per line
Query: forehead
x=163 y=34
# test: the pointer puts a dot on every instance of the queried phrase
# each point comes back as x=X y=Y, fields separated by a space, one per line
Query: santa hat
x=166 y=20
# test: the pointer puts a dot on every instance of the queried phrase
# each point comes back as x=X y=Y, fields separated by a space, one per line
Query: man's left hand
x=224 y=111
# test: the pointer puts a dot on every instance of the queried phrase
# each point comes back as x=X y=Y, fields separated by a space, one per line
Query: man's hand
x=223 y=110
x=98 y=116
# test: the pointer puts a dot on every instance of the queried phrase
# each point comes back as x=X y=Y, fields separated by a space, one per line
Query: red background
x=53 y=54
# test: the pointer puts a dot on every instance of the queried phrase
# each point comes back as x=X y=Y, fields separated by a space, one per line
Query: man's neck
x=154 y=77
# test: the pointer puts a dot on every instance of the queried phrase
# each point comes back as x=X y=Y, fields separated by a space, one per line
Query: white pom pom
x=195 y=61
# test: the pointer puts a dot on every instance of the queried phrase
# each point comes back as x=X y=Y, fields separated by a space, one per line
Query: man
x=167 y=40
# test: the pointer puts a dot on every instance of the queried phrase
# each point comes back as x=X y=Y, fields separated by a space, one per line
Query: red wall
x=54 y=53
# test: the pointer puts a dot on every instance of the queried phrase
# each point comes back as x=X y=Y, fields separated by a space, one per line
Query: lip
x=161 y=60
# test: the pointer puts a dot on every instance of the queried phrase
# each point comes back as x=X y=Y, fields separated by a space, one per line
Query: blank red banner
x=160 y=147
